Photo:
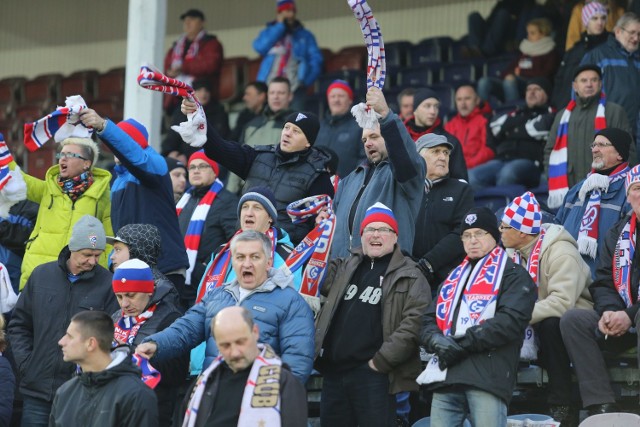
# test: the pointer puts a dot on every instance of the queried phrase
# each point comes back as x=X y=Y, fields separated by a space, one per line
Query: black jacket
x=41 y=317
x=343 y=135
x=115 y=397
x=16 y=229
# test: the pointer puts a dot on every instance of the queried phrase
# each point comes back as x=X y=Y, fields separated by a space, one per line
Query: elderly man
x=596 y=203
x=551 y=257
x=475 y=329
x=109 y=391
x=284 y=318
x=339 y=131
x=438 y=247
x=73 y=283
x=368 y=330
x=609 y=326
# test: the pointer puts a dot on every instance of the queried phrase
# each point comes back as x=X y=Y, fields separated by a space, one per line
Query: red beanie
x=201 y=156
x=136 y=131
x=340 y=84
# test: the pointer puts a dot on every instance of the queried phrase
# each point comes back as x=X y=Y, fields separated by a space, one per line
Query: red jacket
x=474 y=135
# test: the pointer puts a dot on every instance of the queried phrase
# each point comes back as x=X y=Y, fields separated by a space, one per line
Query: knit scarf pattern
x=196 y=223
x=558 y=164
x=192 y=52
x=5 y=159
x=476 y=289
x=261 y=398
x=76 y=186
x=537 y=48
x=594 y=186
x=623 y=260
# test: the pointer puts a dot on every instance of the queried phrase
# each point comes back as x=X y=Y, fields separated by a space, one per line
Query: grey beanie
x=265 y=197
x=88 y=233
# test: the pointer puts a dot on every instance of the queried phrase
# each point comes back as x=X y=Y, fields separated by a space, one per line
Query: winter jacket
x=474 y=135
x=7 y=390
x=34 y=331
x=563 y=276
x=576 y=27
x=530 y=66
x=620 y=76
x=17 y=227
x=457 y=165
x=396 y=181
x=604 y=293
x=219 y=225
x=405 y=297
x=522 y=134
x=142 y=193
x=305 y=51
x=437 y=226
x=282 y=315
x=343 y=135
x=493 y=346
x=580 y=134
x=58 y=214
x=115 y=397
x=613 y=206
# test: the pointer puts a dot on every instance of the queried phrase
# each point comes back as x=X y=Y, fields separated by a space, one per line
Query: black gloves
x=448 y=351
x=427 y=271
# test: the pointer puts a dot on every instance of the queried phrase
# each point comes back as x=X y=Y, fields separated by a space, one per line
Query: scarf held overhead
x=5 y=159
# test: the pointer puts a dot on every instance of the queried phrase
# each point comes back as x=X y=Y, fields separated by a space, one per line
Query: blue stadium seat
x=416 y=76
x=496 y=198
x=446 y=93
x=456 y=73
x=397 y=53
x=494 y=66
x=435 y=49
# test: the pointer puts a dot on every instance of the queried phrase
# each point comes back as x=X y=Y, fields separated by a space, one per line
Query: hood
x=143 y=241
x=120 y=365
x=276 y=278
x=165 y=291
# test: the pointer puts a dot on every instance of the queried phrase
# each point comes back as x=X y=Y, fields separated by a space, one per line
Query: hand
x=427 y=271
x=147 y=349
x=322 y=215
x=188 y=106
x=91 y=119
x=449 y=352
x=614 y=323
x=376 y=100
x=372 y=366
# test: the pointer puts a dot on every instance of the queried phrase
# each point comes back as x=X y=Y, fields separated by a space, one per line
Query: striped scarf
x=261 y=398
x=5 y=159
x=127 y=327
x=376 y=63
x=623 y=260
x=478 y=288
x=196 y=223
x=558 y=164
x=192 y=52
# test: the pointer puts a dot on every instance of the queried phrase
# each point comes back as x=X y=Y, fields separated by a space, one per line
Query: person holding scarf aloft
x=475 y=329
x=145 y=309
x=615 y=308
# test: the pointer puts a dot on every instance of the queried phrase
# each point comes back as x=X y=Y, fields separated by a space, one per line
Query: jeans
x=490 y=36
x=359 y=396
x=505 y=172
x=449 y=409
x=35 y=412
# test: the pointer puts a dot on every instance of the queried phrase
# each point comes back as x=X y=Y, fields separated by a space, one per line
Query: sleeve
x=268 y=37
x=322 y=185
x=429 y=324
x=36 y=188
x=233 y=156
x=551 y=141
x=174 y=370
x=457 y=165
x=207 y=62
x=20 y=330
x=483 y=153
x=334 y=265
x=538 y=127
x=314 y=60
x=141 y=409
x=296 y=332
x=408 y=166
x=293 y=398
x=15 y=230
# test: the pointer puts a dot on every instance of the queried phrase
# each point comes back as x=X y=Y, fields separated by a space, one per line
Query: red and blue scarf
x=192 y=52
x=623 y=260
x=60 y=124
x=5 y=159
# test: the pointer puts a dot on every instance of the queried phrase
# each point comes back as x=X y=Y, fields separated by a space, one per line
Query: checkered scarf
x=5 y=159
x=558 y=165
x=623 y=260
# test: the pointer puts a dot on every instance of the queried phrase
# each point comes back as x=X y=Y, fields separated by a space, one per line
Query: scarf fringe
x=593 y=182
x=556 y=197
x=588 y=246
x=365 y=116
x=314 y=303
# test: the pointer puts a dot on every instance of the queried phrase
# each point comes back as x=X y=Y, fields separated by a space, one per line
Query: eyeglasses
x=631 y=33
x=383 y=231
x=200 y=167
x=69 y=156
x=466 y=237
x=503 y=227
x=600 y=145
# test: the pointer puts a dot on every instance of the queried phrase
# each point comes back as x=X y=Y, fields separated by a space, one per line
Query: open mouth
x=247 y=275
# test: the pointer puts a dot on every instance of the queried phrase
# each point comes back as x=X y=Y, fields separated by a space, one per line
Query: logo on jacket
x=448 y=199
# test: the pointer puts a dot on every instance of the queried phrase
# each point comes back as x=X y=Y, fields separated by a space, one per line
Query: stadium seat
x=494 y=66
x=110 y=85
x=29 y=112
x=253 y=66
x=456 y=73
x=426 y=422
x=397 y=53
x=436 y=49
x=422 y=75
x=231 y=80
x=446 y=95
x=42 y=90
x=615 y=419
x=347 y=59
x=496 y=198
x=79 y=83
x=109 y=108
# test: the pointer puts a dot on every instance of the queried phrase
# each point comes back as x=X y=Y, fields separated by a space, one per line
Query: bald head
x=236 y=336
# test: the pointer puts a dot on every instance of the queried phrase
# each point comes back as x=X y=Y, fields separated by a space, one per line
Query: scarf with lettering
x=558 y=164
x=261 y=398
x=5 y=159
x=196 y=223
x=623 y=260
x=477 y=290
x=76 y=186
x=192 y=52
x=595 y=185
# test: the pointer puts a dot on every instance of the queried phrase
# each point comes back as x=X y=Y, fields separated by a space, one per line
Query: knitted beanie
x=590 y=9
x=620 y=139
x=285 y=5
x=379 y=213
x=633 y=176
x=199 y=155
x=265 y=197
x=307 y=122
x=136 y=131
x=340 y=84
x=523 y=214
x=174 y=164
x=543 y=82
x=133 y=276
x=87 y=233
x=421 y=95
x=483 y=219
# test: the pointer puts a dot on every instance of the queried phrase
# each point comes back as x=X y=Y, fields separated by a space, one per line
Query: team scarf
x=589 y=226
x=261 y=398
x=61 y=124
x=5 y=159
x=218 y=269
x=623 y=260
x=376 y=63
x=558 y=164
x=196 y=223
x=478 y=288
x=315 y=246
x=194 y=130
x=76 y=186
x=192 y=52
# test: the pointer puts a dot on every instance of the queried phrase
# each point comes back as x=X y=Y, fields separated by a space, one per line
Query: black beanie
x=421 y=95
x=174 y=164
x=307 y=122
x=543 y=83
x=620 y=139
x=481 y=218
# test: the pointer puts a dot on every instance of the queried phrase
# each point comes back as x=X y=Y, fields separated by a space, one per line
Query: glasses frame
x=600 y=145
x=67 y=155
x=383 y=231
x=477 y=236
x=503 y=227
x=201 y=167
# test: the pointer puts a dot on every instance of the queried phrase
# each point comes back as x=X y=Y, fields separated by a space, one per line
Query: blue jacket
x=142 y=194
x=305 y=50
x=282 y=315
x=613 y=206
x=397 y=182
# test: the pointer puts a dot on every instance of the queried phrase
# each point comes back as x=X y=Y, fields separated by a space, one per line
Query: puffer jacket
x=563 y=276
x=282 y=315
x=58 y=214
x=405 y=297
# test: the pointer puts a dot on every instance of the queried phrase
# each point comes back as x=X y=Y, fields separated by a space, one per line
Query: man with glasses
x=368 y=330
x=475 y=329
x=619 y=60
x=595 y=204
x=551 y=257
